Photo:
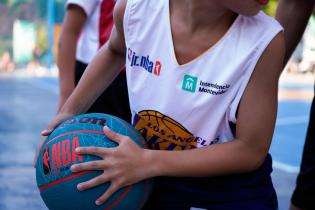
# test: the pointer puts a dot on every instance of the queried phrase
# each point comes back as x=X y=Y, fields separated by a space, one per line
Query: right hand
x=59 y=118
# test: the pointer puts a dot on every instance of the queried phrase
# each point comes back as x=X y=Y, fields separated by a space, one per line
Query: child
x=86 y=28
x=202 y=80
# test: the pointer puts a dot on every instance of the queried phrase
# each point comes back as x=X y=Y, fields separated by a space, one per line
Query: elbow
x=257 y=162
x=258 y=159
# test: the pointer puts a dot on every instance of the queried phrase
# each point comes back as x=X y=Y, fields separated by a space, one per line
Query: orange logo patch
x=163 y=133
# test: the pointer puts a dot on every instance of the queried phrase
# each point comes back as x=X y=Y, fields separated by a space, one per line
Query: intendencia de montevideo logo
x=190 y=84
x=153 y=67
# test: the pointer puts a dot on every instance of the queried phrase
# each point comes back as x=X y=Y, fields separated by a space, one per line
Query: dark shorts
x=304 y=193
x=249 y=191
x=114 y=100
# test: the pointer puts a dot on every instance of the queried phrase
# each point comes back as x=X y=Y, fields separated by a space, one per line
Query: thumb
x=51 y=126
x=55 y=122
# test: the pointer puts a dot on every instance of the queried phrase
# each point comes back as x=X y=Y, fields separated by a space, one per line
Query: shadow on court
x=28 y=103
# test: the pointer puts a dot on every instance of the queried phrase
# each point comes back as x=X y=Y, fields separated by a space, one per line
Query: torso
x=184 y=93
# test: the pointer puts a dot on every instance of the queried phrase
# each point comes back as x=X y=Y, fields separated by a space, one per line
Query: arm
x=293 y=15
x=71 y=29
x=98 y=75
x=128 y=164
x=103 y=69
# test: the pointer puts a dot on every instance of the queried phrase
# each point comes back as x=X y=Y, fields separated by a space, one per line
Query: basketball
x=58 y=184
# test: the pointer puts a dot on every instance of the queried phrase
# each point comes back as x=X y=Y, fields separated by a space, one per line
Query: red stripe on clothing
x=106 y=21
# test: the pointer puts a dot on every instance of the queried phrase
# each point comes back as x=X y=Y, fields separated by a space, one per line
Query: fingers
x=116 y=137
x=101 y=179
x=55 y=122
x=39 y=146
x=46 y=132
x=89 y=166
x=97 y=151
x=92 y=182
x=109 y=192
x=51 y=126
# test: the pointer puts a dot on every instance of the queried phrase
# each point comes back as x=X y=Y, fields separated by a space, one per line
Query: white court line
x=292 y=120
x=285 y=167
x=289 y=121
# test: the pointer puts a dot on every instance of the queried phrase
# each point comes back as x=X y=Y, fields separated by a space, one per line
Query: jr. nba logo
x=189 y=83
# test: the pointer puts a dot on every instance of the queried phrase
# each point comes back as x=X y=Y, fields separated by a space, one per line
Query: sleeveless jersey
x=180 y=107
x=97 y=28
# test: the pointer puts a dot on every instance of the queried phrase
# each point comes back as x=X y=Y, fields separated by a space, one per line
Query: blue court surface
x=291 y=126
x=50 y=84
x=290 y=132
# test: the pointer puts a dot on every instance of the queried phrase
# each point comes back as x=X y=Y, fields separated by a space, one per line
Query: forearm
x=66 y=64
x=215 y=160
x=97 y=77
x=293 y=16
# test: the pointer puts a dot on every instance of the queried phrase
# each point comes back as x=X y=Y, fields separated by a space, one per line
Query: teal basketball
x=56 y=182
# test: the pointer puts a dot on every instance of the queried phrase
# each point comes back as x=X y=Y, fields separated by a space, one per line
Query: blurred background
x=29 y=31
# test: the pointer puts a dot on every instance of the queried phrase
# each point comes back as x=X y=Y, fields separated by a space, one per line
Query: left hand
x=37 y=151
x=123 y=165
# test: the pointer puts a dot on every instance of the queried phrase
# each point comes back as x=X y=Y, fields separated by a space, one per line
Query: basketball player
x=202 y=80
x=87 y=26
x=294 y=15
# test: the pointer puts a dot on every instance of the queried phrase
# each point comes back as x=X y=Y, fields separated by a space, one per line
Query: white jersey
x=97 y=28
x=179 y=107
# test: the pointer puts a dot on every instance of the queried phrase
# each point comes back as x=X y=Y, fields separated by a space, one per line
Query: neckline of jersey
x=171 y=41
